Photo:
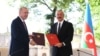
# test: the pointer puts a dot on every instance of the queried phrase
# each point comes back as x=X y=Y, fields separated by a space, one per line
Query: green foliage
x=97 y=30
x=25 y=3
x=11 y=2
x=48 y=16
x=61 y=4
x=91 y=2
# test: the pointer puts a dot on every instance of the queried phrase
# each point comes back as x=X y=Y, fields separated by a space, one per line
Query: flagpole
x=88 y=42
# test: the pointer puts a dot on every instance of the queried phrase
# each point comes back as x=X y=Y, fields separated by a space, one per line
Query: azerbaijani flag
x=88 y=35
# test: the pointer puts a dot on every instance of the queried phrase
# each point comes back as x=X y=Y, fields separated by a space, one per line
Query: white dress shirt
x=61 y=23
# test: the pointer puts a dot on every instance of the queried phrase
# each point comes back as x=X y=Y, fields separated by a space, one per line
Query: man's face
x=60 y=15
x=24 y=13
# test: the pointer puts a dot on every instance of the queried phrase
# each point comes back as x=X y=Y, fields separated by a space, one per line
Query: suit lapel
x=21 y=23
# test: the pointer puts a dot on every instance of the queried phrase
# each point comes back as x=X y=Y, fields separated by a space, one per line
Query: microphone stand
x=83 y=52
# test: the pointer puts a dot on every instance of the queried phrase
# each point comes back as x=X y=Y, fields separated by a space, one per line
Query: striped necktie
x=24 y=25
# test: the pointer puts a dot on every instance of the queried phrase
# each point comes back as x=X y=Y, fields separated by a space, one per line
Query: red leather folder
x=53 y=39
x=38 y=38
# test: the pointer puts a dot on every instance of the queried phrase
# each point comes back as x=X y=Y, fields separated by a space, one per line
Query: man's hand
x=59 y=45
x=30 y=36
x=32 y=42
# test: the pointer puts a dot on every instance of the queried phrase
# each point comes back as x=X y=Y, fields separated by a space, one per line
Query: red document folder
x=53 y=39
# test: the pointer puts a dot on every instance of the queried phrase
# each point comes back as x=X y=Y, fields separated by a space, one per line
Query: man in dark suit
x=64 y=31
x=19 y=35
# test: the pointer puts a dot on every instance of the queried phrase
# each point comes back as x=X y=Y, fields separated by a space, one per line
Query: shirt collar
x=21 y=19
x=61 y=22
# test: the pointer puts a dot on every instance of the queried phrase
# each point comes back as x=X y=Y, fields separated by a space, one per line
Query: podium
x=39 y=51
x=4 y=51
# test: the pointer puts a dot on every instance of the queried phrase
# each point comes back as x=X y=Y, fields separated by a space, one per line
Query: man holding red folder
x=64 y=31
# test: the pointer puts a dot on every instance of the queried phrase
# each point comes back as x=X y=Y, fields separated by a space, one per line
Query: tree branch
x=46 y=5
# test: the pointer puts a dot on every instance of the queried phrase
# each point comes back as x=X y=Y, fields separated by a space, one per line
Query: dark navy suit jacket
x=19 y=39
x=65 y=35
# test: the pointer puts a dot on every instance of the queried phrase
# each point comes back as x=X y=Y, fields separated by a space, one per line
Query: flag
x=88 y=35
